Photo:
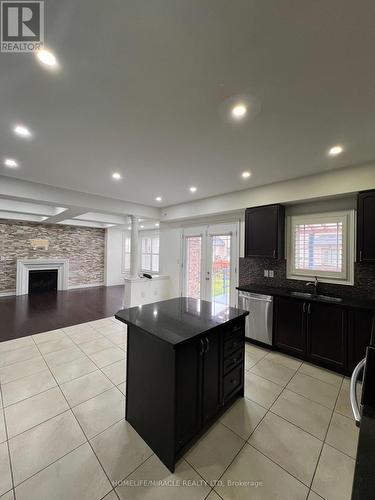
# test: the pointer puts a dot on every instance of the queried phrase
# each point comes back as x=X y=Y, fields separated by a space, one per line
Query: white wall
x=170 y=256
x=114 y=268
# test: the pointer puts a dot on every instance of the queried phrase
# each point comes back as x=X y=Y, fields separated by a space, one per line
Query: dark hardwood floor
x=28 y=314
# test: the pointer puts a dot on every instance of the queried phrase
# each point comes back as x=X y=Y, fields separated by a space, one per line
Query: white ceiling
x=142 y=85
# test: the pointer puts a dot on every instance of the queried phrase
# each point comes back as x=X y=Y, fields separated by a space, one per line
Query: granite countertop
x=364 y=477
x=355 y=302
x=178 y=320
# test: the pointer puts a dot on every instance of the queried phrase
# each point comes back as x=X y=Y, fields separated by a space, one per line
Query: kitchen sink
x=307 y=295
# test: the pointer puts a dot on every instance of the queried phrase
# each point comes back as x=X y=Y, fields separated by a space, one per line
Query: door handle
x=360 y=256
x=207 y=344
x=304 y=307
x=202 y=348
x=309 y=309
x=353 y=393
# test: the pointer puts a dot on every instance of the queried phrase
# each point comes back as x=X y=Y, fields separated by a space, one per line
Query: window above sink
x=321 y=245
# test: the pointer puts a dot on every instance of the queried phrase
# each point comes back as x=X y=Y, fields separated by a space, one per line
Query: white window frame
x=346 y=277
x=151 y=236
x=125 y=236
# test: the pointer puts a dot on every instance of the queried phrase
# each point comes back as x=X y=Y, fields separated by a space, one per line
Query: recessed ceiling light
x=193 y=189
x=47 y=58
x=142 y=227
x=157 y=224
x=116 y=176
x=22 y=131
x=246 y=175
x=158 y=198
x=9 y=162
x=129 y=228
x=239 y=111
x=336 y=150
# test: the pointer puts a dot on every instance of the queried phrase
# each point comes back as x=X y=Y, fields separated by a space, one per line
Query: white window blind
x=150 y=254
x=321 y=245
x=127 y=250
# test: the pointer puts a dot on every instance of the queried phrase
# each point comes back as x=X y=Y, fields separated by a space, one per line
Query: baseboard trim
x=90 y=285
x=7 y=294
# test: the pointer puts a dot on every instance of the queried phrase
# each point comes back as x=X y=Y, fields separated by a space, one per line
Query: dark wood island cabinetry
x=185 y=366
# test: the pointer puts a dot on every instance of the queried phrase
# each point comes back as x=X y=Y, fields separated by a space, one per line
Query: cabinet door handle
x=207 y=344
x=304 y=307
x=360 y=256
x=309 y=309
x=274 y=254
x=202 y=348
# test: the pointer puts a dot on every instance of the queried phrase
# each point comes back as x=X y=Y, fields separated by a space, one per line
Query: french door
x=210 y=256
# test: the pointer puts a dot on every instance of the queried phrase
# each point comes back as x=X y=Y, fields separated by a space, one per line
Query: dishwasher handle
x=353 y=393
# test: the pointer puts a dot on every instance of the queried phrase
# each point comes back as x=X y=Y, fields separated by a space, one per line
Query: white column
x=134 y=255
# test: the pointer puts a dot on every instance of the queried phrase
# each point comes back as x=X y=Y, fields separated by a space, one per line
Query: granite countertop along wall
x=251 y=272
x=84 y=247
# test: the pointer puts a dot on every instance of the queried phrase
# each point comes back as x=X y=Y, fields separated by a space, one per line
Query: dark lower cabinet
x=289 y=331
x=326 y=335
x=212 y=376
x=360 y=328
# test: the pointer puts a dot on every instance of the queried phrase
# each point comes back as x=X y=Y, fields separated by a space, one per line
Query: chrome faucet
x=314 y=283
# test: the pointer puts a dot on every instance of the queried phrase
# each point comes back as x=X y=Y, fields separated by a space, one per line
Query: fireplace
x=26 y=266
x=43 y=280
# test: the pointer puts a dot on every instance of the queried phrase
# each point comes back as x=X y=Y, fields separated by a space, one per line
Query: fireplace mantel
x=26 y=265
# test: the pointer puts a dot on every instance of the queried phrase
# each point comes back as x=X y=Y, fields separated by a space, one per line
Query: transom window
x=321 y=245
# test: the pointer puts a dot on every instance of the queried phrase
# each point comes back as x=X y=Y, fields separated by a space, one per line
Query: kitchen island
x=185 y=367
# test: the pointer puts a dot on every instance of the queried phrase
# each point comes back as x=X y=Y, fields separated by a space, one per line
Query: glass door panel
x=193 y=266
x=219 y=270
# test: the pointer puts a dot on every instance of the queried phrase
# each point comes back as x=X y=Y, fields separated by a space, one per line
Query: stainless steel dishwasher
x=259 y=320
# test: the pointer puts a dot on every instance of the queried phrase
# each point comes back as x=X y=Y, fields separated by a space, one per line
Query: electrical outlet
x=271 y=274
x=266 y=273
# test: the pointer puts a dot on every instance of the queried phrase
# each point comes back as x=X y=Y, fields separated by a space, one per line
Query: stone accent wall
x=251 y=272
x=84 y=247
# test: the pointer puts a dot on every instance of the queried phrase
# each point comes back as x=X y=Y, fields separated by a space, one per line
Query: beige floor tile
x=243 y=417
x=111 y=496
x=260 y=390
x=120 y=450
x=5 y=475
x=23 y=369
x=3 y=435
x=314 y=389
x=76 y=476
x=122 y=387
x=40 y=338
x=99 y=413
x=38 y=447
x=154 y=470
x=321 y=374
x=112 y=328
x=82 y=327
x=33 y=411
x=334 y=475
x=290 y=447
x=18 y=355
x=89 y=335
x=27 y=386
x=314 y=496
x=213 y=496
x=107 y=357
x=83 y=388
x=95 y=345
x=63 y=356
x=213 y=453
x=116 y=372
x=118 y=338
x=253 y=354
x=10 y=345
x=273 y=482
x=343 y=405
x=8 y=496
x=274 y=372
x=284 y=360
x=343 y=434
x=70 y=371
x=55 y=345
x=310 y=416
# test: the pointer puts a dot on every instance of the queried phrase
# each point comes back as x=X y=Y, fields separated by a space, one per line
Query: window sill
x=321 y=279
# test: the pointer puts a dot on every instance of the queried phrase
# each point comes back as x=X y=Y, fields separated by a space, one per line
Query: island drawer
x=233 y=360
x=232 y=382
x=233 y=328
x=233 y=343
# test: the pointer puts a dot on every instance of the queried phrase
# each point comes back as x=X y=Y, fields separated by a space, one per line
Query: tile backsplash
x=251 y=271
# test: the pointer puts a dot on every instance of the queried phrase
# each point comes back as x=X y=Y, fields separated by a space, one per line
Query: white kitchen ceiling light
x=335 y=150
x=246 y=175
x=47 y=58
x=193 y=189
x=10 y=162
x=158 y=198
x=239 y=111
x=157 y=224
x=116 y=176
x=22 y=131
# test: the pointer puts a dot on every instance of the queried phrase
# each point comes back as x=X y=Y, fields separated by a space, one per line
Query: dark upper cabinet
x=360 y=327
x=264 y=231
x=289 y=321
x=365 y=227
x=327 y=335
